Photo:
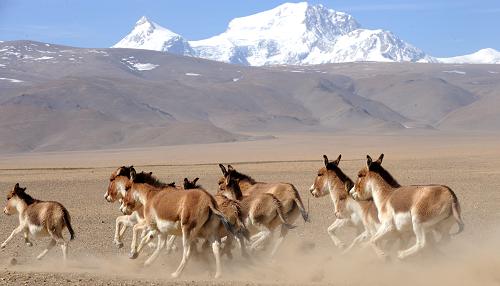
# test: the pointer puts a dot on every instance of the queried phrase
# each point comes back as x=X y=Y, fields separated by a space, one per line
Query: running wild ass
x=168 y=210
x=286 y=193
x=232 y=210
x=116 y=191
x=39 y=219
x=401 y=208
x=362 y=215
x=262 y=211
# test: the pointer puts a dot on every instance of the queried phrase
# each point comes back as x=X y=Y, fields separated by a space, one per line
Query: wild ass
x=232 y=210
x=116 y=191
x=261 y=211
x=362 y=215
x=286 y=193
x=38 y=218
x=188 y=213
x=400 y=208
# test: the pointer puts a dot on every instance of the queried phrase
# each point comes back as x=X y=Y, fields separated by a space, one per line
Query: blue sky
x=439 y=27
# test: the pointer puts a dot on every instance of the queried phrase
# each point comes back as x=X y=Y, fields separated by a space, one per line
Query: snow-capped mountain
x=148 y=35
x=295 y=34
x=484 y=56
x=299 y=33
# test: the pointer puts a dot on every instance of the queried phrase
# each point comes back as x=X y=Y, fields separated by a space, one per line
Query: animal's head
x=363 y=189
x=331 y=180
x=117 y=182
x=191 y=184
x=237 y=176
x=14 y=197
x=128 y=202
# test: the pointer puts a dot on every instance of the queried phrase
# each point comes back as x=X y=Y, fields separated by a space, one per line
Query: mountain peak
x=483 y=56
x=142 y=20
x=148 y=35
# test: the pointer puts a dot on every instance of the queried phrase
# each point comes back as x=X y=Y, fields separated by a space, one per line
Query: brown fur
x=188 y=213
x=429 y=206
x=41 y=218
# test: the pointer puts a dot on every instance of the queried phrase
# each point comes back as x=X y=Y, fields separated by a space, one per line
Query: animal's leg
x=186 y=251
x=228 y=246
x=265 y=234
x=444 y=228
x=337 y=224
x=419 y=231
x=51 y=245
x=216 y=250
x=385 y=229
x=360 y=238
x=146 y=240
x=135 y=232
x=243 y=247
x=161 y=242
x=14 y=232
x=26 y=237
x=171 y=243
x=279 y=241
x=64 y=248
x=121 y=225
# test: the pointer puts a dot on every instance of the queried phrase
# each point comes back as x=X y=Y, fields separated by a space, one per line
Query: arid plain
x=470 y=165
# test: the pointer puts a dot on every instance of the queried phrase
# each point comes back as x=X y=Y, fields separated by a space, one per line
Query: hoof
x=175 y=275
x=217 y=275
x=119 y=244
x=29 y=244
x=133 y=255
x=401 y=255
x=2 y=246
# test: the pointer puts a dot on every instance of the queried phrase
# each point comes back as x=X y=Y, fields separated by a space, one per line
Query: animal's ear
x=195 y=180
x=223 y=169
x=336 y=162
x=186 y=181
x=325 y=158
x=230 y=168
x=16 y=186
x=119 y=171
x=150 y=173
x=380 y=158
x=369 y=160
x=132 y=174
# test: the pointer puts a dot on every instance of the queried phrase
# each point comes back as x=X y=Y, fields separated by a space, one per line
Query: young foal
x=400 y=208
x=262 y=211
x=188 y=213
x=38 y=218
x=361 y=215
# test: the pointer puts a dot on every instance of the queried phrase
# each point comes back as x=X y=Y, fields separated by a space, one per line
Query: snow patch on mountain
x=484 y=56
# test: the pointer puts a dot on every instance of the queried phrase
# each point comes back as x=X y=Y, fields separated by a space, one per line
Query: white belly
x=402 y=221
x=37 y=230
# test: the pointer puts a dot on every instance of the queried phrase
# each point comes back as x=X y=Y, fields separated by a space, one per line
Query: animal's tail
x=300 y=205
x=225 y=222
x=279 y=211
x=457 y=213
x=67 y=222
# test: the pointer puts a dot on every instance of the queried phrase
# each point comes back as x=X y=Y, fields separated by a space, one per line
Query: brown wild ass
x=262 y=211
x=38 y=218
x=286 y=193
x=116 y=191
x=170 y=211
x=362 y=215
x=402 y=208
x=232 y=210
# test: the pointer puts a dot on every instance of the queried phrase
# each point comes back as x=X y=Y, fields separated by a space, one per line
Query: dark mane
x=148 y=178
x=348 y=183
x=386 y=176
x=235 y=187
x=26 y=198
x=241 y=177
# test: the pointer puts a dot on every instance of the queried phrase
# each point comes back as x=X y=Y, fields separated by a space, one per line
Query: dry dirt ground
x=471 y=167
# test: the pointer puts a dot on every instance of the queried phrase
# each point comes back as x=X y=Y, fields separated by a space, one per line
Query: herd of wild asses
x=246 y=212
